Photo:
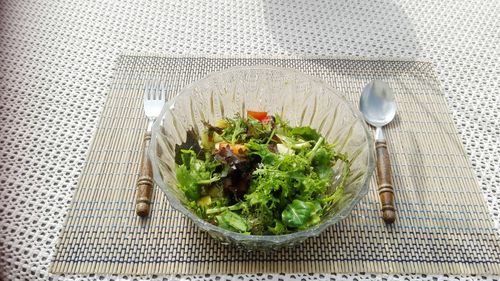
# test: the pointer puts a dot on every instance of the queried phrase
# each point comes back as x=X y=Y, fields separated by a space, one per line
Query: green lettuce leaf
x=306 y=133
x=232 y=221
x=296 y=214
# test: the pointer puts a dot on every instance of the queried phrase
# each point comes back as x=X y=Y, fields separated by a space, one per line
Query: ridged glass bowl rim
x=273 y=239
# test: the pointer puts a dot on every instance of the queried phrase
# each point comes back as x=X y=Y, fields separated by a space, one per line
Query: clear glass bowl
x=298 y=98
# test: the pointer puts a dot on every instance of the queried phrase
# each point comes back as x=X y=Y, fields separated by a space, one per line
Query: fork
x=154 y=99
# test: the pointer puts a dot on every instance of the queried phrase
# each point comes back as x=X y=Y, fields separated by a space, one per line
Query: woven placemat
x=443 y=224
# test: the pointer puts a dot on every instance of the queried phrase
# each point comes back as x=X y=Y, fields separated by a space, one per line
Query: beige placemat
x=443 y=224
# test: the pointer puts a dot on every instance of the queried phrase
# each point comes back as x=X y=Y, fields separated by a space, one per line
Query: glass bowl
x=301 y=99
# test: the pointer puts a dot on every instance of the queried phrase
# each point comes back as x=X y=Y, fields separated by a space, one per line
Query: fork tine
x=154 y=90
x=160 y=91
x=163 y=93
x=146 y=91
x=151 y=90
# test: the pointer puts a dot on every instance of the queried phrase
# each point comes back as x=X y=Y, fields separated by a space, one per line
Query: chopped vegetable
x=232 y=221
x=258 y=175
x=258 y=115
x=296 y=214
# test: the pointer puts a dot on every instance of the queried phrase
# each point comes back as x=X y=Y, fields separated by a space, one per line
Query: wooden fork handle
x=384 y=181
x=145 y=181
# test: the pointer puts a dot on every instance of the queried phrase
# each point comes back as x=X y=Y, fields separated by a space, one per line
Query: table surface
x=57 y=62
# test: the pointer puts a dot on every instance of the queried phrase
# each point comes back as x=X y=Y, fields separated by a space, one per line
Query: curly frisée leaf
x=187 y=183
x=195 y=173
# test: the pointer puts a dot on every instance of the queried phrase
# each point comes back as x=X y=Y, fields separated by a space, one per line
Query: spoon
x=379 y=108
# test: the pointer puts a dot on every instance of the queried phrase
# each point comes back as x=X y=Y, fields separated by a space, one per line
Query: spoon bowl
x=377 y=103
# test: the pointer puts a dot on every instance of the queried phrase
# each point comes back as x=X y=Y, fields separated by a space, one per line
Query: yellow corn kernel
x=205 y=201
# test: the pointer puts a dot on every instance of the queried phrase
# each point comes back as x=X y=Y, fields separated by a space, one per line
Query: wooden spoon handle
x=145 y=181
x=384 y=180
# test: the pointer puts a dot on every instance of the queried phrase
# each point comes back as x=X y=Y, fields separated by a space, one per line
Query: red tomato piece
x=266 y=120
x=258 y=115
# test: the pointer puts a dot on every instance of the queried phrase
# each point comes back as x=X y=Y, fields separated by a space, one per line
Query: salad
x=258 y=175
